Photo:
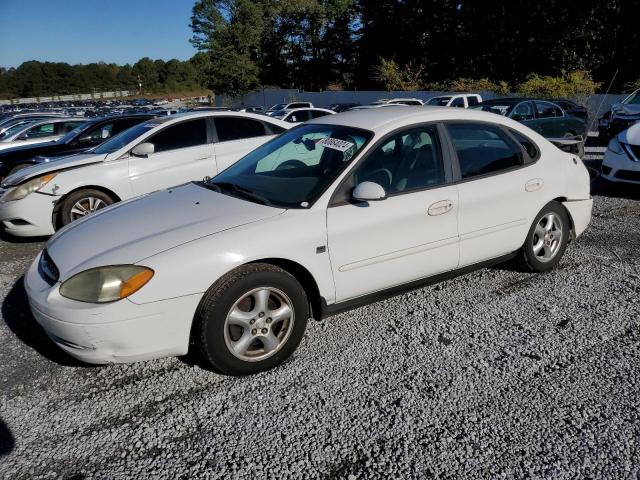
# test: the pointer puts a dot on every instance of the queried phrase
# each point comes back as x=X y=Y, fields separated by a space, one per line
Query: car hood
x=630 y=136
x=626 y=109
x=56 y=164
x=131 y=231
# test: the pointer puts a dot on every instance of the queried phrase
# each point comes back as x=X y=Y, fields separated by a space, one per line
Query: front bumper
x=618 y=167
x=580 y=213
x=117 y=332
x=30 y=217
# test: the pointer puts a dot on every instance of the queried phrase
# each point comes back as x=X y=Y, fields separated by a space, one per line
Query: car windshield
x=499 y=108
x=295 y=168
x=278 y=106
x=123 y=138
x=440 y=101
x=633 y=99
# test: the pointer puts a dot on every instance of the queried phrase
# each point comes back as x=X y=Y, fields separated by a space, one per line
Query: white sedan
x=335 y=213
x=621 y=161
x=38 y=131
x=156 y=154
x=299 y=115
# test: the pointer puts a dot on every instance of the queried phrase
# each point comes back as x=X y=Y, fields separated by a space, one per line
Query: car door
x=237 y=136
x=550 y=120
x=410 y=235
x=181 y=154
x=499 y=188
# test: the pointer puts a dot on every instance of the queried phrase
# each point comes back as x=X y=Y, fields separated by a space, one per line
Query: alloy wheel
x=86 y=206
x=547 y=237
x=259 y=324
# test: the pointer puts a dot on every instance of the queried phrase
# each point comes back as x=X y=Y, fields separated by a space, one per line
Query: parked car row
x=272 y=223
x=141 y=155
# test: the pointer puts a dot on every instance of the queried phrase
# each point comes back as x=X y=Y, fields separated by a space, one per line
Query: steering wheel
x=291 y=164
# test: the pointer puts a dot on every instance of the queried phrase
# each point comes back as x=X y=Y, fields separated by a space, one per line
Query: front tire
x=82 y=203
x=547 y=239
x=251 y=320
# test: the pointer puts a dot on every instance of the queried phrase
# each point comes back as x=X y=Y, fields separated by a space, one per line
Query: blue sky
x=85 y=31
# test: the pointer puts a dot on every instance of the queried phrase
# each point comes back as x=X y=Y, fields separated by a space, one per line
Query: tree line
x=425 y=44
x=37 y=79
x=374 y=45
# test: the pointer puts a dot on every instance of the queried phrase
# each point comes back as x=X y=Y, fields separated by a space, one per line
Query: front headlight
x=106 y=284
x=615 y=146
x=24 y=189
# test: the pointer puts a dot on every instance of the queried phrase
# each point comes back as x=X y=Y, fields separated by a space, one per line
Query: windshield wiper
x=244 y=192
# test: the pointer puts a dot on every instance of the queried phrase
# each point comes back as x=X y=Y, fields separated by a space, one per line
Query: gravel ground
x=496 y=374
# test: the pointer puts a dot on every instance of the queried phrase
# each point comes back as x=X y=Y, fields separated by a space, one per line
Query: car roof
x=383 y=120
x=215 y=113
x=291 y=110
x=508 y=100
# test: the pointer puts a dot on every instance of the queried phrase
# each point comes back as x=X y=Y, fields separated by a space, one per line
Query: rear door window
x=472 y=101
x=62 y=128
x=526 y=143
x=237 y=128
x=483 y=149
x=318 y=113
x=548 y=110
x=299 y=116
x=182 y=135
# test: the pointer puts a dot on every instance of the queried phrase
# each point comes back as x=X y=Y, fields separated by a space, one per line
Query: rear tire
x=251 y=320
x=547 y=239
x=82 y=203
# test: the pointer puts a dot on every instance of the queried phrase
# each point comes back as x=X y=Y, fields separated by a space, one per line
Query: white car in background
x=152 y=155
x=460 y=100
x=278 y=107
x=621 y=161
x=299 y=115
x=377 y=105
x=414 y=102
x=335 y=213
x=39 y=131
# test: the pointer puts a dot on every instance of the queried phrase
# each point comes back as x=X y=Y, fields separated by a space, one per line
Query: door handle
x=534 y=184
x=440 y=208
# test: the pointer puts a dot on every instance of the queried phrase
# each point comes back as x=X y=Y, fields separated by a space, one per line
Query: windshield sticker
x=336 y=144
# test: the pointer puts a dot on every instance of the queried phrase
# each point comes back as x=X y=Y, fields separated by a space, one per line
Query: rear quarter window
x=529 y=146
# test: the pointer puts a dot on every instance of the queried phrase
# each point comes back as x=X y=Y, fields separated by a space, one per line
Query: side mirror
x=143 y=150
x=24 y=136
x=369 y=192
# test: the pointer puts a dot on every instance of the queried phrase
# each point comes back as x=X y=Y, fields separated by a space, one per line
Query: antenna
x=603 y=98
